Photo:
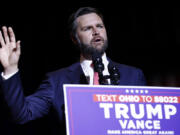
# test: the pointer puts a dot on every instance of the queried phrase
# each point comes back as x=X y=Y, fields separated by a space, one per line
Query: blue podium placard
x=122 y=110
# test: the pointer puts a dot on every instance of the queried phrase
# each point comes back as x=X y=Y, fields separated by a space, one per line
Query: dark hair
x=81 y=11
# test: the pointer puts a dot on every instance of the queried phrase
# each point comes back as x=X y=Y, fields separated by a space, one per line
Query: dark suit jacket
x=50 y=93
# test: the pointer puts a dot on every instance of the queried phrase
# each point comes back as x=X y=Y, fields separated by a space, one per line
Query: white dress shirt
x=88 y=70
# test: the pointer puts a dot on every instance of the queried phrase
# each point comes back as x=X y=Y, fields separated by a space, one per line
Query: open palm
x=10 y=49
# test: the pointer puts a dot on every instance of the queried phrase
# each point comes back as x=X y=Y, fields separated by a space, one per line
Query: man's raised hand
x=9 y=50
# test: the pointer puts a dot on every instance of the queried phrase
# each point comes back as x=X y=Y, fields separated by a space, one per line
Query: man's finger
x=5 y=34
x=1 y=40
x=12 y=35
x=18 y=47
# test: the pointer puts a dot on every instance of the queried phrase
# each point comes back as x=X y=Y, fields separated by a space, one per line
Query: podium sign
x=122 y=110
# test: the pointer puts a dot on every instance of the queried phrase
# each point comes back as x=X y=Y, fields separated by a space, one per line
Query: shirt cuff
x=5 y=77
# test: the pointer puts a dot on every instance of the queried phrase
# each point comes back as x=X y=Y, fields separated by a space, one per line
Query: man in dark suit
x=89 y=34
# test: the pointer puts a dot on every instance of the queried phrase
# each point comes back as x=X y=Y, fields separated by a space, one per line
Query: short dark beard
x=87 y=50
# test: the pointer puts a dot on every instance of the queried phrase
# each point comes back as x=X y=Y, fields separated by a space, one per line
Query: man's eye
x=88 y=28
x=100 y=26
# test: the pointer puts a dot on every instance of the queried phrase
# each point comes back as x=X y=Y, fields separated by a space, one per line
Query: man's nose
x=95 y=32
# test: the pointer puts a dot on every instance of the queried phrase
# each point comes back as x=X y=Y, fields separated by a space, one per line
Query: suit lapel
x=76 y=75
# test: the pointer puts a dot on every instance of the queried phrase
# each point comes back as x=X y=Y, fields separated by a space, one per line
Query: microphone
x=114 y=74
x=97 y=63
x=99 y=67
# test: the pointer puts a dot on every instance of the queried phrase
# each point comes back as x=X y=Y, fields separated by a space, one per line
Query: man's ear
x=74 y=40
